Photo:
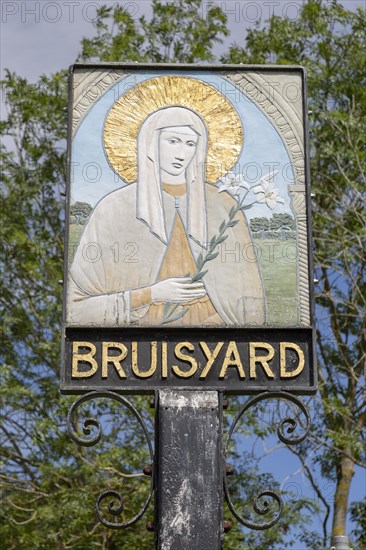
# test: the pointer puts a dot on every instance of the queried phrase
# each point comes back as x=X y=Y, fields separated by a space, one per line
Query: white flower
x=232 y=183
x=267 y=193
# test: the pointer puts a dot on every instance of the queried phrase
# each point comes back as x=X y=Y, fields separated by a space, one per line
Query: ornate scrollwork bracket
x=92 y=430
x=262 y=502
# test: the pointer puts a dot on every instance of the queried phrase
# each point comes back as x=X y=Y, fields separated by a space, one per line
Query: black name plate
x=143 y=360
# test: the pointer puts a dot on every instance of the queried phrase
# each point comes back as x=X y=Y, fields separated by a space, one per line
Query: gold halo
x=225 y=132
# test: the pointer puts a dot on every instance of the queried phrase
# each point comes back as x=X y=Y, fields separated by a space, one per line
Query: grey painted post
x=189 y=471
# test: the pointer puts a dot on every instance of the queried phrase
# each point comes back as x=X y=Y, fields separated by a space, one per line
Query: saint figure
x=150 y=235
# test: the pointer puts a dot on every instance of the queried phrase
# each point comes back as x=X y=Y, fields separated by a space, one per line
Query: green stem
x=215 y=241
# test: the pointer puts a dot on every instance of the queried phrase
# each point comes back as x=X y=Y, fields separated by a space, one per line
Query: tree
x=275 y=222
x=43 y=473
x=330 y=42
x=279 y=221
x=184 y=31
x=358 y=514
x=80 y=212
x=49 y=483
x=260 y=224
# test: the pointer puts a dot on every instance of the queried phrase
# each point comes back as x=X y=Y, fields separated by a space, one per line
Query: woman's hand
x=177 y=290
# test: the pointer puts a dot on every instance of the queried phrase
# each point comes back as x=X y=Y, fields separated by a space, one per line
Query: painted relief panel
x=187 y=199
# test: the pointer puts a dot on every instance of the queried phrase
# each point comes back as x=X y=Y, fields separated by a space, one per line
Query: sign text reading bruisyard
x=230 y=362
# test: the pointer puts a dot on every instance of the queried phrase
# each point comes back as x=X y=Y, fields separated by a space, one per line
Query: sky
x=42 y=37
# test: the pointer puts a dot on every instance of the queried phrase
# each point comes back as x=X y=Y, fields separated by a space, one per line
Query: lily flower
x=233 y=183
x=266 y=192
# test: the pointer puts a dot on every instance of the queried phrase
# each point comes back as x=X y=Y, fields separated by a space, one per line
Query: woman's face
x=177 y=147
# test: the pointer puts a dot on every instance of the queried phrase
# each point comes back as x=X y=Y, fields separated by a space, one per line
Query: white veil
x=149 y=195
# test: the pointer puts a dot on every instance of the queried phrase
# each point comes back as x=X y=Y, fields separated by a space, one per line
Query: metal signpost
x=188 y=273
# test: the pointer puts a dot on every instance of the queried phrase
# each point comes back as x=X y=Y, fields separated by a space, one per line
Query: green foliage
x=358 y=515
x=275 y=223
x=49 y=483
x=330 y=42
x=80 y=212
x=183 y=31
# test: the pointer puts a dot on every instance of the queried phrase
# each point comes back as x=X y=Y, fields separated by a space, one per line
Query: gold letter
x=290 y=374
x=253 y=359
x=164 y=360
x=85 y=357
x=115 y=359
x=210 y=356
x=235 y=362
x=186 y=358
x=135 y=368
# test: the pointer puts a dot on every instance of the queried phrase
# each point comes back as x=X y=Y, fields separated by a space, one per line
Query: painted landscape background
x=274 y=241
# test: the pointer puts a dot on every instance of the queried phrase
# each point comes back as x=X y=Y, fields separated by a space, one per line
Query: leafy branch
x=170 y=313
